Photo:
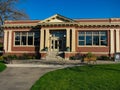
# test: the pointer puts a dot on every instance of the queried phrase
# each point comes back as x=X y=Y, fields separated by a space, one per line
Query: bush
x=76 y=57
x=25 y=56
x=22 y=57
x=103 y=58
x=68 y=49
x=72 y=58
x=1 y=58
x=90 y=57
x=12 y=57
x=28 y=56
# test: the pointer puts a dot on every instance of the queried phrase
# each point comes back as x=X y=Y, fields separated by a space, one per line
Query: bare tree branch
x=9 y=11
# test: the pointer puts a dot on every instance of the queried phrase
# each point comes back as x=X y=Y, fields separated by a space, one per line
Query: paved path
x=22 y=78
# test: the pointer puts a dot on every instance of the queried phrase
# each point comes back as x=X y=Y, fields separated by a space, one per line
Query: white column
x=117 y=40
x=68 y=38
x=5 y=41
x=41 y=39
x=10 y=41
x=112 y=49
x=73 y=40
x=47 y=38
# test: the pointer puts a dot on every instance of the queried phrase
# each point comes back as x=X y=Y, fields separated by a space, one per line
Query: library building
x=62 y=35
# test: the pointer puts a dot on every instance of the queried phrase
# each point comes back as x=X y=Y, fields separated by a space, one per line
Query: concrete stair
x=54 y=56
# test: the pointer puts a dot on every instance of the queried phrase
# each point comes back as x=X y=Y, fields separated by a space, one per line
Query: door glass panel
x=60 y=44
x=55 y=44
x=52 y=44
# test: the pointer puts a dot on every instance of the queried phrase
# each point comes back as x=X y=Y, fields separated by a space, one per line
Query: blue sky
x=42 y=9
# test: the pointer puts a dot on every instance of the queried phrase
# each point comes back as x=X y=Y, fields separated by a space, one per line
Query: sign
x=117 y=57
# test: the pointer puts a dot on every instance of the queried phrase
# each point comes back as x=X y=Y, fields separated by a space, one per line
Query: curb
x=34 y=65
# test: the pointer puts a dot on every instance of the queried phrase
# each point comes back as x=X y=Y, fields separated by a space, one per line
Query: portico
x=57 y=39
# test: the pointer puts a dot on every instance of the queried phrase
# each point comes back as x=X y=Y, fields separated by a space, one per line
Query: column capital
x=117 y=29
x=68 y=28
x=112 y=29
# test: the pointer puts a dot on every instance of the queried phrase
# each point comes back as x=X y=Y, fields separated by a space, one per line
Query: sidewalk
x=36 y=65
x=57 y=64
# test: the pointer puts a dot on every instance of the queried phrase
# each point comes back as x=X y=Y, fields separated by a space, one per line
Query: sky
x=74 y=9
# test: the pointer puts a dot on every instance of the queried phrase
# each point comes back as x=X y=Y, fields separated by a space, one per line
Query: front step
x=54 y=56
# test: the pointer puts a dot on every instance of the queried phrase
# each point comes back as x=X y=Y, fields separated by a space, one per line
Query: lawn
x=89 y=77
x=2 y=67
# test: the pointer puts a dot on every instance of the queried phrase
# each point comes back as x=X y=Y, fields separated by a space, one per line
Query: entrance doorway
x=57 y=44
x=58 y=40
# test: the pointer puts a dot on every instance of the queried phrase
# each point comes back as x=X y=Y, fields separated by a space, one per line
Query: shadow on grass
x=87 y=68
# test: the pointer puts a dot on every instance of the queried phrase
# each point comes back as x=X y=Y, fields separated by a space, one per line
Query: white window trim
x=92 y=40
x=26 y=40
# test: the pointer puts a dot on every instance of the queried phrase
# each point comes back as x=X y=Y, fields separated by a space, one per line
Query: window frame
x=93 y=34
x=27 y=44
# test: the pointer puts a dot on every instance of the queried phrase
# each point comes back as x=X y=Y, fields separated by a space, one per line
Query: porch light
x=64 y=35
x=50 y=35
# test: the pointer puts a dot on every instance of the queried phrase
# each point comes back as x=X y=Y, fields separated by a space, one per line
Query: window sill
x=25 y=46
x=92 y=46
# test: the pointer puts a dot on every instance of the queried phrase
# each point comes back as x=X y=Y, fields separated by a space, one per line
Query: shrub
x=90 y=57
x=28 y=56
x=72 y=58
x=76 y=57
x=68 y=49
x=103 y=58
x=1 y=57
x=45 y=49
x=9 y=57
x=14 y=57
x=22 y=57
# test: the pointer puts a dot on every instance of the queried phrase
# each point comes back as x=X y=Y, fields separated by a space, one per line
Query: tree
x=9 y=11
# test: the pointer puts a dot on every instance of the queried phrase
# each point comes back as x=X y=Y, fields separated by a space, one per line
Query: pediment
x=57 y=18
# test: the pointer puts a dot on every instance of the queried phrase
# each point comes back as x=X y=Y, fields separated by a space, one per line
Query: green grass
x=92 y=77
x=2 y=67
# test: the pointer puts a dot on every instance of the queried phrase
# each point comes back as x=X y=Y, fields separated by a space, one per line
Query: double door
x=57 y=44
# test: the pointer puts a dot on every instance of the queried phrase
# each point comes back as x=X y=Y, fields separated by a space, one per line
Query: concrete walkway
x=39 y=65
x=21 y=77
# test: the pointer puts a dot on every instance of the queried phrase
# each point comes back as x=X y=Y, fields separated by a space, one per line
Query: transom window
x=92 y=38
x=27 y=38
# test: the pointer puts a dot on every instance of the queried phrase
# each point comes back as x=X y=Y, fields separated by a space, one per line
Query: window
x=30 y=38
x=89 y=38
x=27 y=38
x=95 y=38
x=81 y=38
x=23 y=38
x=36 y=38
x=17 y=38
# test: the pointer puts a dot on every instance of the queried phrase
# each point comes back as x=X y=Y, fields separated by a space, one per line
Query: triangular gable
x=57 y=18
